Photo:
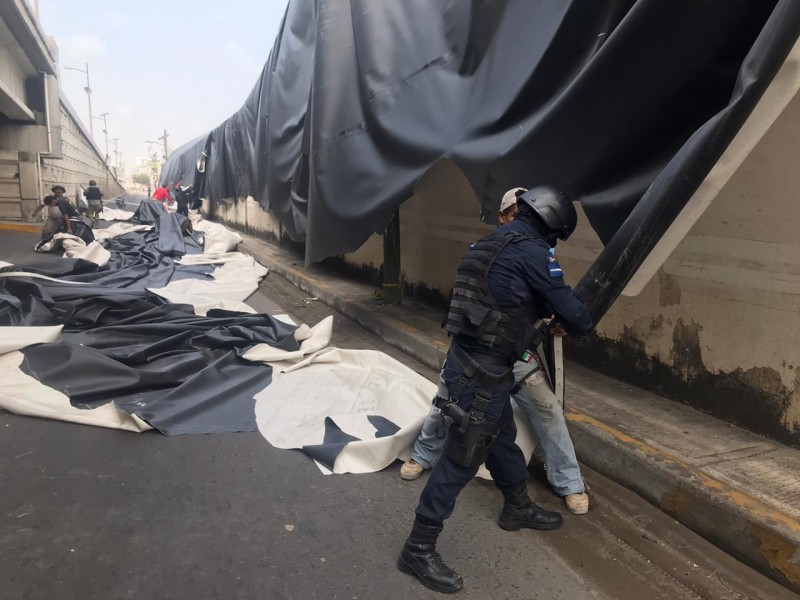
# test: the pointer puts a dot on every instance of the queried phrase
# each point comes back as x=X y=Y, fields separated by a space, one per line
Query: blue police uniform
x=524 y=273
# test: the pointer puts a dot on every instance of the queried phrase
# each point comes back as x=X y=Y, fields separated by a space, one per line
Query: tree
x=141 y=179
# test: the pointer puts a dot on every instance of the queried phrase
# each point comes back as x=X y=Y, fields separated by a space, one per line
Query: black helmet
x=92 y=182
x=554 y=209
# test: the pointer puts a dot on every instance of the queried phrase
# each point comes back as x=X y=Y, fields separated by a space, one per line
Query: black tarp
x=180 y=372
x=148 y=212
x=182 y=166
x=625 y=104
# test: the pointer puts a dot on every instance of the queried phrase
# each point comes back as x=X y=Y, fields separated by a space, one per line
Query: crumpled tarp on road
x=122 y=343
x=102 y=345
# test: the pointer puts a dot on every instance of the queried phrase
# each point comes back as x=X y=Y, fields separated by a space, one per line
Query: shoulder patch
x=553 y=267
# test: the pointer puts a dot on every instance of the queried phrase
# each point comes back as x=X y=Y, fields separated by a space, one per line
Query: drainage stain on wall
x=670 y=290
x=756 y=398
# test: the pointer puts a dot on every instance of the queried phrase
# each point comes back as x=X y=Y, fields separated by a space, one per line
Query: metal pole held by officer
x=508 y=281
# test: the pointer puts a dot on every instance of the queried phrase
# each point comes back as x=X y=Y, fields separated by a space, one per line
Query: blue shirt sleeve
x=545 y=277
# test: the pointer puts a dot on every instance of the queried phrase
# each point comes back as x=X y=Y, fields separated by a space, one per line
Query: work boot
x=520 y=511
x=577 y=504
x=411 y=470
x=420 y=559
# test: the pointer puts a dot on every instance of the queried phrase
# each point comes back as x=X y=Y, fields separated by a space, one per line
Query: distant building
x=42 y=139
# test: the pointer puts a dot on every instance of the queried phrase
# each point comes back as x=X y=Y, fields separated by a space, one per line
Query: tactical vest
x=474 y=312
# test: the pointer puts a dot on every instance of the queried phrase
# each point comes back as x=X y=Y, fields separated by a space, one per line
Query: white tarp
x=234 y=280
x=75 y=247
x=348 y=387
x=116 y=214
x=118 y=229
x=23 y=395
x=219 y=239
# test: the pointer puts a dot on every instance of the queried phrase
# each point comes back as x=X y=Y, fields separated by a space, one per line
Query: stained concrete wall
x=78 y=162
x=719 y=326
x=245 y=214
x=42 y=140
x=437 y=225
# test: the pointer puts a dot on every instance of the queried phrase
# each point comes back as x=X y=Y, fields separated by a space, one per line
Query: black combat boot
x=420 y=559
x=520 y=511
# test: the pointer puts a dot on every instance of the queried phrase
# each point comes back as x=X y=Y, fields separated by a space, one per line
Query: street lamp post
x=88 y=90
x=165 y=137
x=116 y=153
x=155 y=165
x=105 y=131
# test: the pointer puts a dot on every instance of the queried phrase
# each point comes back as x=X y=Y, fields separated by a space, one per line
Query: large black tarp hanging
x=182 y=166
x=625 y=104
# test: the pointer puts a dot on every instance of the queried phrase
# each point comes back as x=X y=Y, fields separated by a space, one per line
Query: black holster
x=471 y=447
x=469 y=440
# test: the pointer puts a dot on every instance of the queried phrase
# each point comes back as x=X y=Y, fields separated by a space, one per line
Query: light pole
x=154 y=161
x=150 y=144
x=165 y=137
x=116 y=153
x=88 y=90
x=105 y=130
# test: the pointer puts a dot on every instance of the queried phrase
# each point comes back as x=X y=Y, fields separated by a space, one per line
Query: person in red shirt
x=161 y=194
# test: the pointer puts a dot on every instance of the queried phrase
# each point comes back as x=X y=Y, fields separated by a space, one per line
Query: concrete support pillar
x=28 y=184
x=392 y=292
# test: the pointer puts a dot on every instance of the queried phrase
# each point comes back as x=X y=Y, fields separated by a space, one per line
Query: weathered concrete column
x=392 y=291
x=28 y=184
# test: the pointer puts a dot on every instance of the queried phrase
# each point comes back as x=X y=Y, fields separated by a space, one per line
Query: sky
x=184 y=66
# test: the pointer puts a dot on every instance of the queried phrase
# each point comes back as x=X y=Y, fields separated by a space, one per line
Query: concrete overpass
x=42 y=139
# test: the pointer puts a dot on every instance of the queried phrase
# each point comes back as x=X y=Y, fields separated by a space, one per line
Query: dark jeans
x=505 y=462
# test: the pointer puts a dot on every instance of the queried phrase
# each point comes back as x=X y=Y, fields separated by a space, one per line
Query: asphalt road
x=91 y=513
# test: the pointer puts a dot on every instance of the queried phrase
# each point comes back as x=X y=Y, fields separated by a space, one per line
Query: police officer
x=94 y=198
x=508 y=282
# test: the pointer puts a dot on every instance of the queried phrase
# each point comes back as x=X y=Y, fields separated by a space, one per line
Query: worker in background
x=94 y=197
x=64 y=207
x=161 y=194
x=52 y=215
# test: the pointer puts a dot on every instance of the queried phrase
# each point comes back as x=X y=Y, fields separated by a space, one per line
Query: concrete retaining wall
x=78 y=162
x=718 y=326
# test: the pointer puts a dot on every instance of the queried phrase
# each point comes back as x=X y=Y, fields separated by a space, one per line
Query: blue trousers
x=505 y=461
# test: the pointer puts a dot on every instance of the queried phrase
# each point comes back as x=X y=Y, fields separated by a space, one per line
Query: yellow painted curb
x=744 y=502
x=775 y=548
x=23 y=227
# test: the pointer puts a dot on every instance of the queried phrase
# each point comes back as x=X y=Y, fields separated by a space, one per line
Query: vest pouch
x=475 y=320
